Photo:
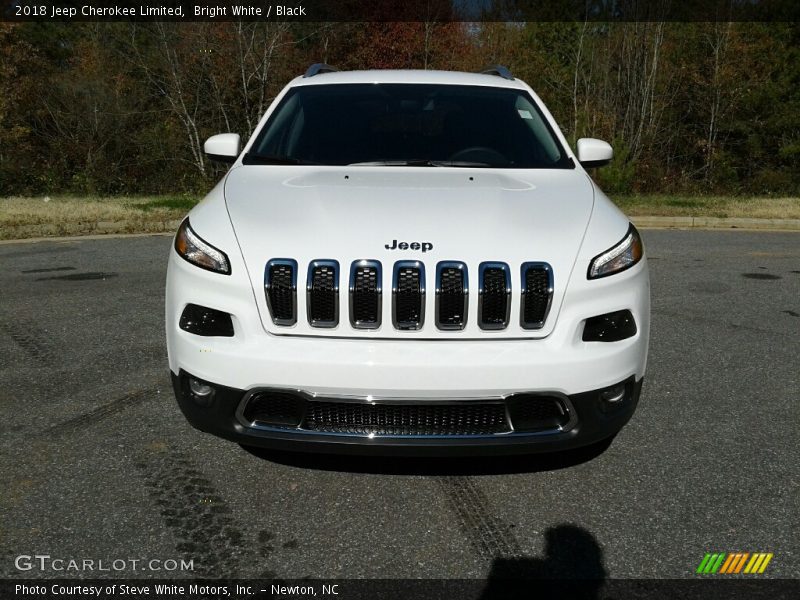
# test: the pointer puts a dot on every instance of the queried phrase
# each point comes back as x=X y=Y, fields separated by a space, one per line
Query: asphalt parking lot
x=96 y=460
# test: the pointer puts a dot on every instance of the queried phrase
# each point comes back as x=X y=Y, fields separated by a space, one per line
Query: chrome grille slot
x=365 y=294
x=537 y=294
x=408 y=295
x=280 y=287
x=322 y=293
x=494 y=295
x=452 y=295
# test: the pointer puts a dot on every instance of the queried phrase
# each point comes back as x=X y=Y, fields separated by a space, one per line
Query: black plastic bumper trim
x=593 y=424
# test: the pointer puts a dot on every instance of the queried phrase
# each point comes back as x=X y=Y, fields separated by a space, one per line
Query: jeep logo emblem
x=395 y=245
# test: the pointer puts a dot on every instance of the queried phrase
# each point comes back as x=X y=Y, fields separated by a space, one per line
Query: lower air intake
x=466 y=418
x=521 y=412
x=275 y=409
x=534 y=412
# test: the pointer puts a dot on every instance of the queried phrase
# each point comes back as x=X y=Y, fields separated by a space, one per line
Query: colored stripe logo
x=734 y=562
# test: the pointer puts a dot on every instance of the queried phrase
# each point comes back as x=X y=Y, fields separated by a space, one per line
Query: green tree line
x=120 y=108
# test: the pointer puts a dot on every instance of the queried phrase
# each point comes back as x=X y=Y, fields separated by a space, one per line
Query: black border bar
x=400 y=10
x=509 y=585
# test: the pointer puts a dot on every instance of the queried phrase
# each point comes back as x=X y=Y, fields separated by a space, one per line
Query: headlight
x=618 y=258
x=200 y=253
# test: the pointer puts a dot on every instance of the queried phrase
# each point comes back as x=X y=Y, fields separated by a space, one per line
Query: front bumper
x=415 y=370
x=591 y=421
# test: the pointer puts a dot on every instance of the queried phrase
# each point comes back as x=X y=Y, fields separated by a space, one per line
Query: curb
x=86 y=238
x=95 y=230
x=716 y=223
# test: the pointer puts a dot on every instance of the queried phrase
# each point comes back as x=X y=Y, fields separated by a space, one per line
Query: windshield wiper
x=392 y=163
x=261 y=159
x=419 y=163
x=461 y=163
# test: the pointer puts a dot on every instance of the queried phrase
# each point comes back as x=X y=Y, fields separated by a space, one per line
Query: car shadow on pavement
x=572 y=567
x=462 y=465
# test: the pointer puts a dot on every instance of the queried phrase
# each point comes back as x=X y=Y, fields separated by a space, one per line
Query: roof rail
x=318 y=68
x=498 y=70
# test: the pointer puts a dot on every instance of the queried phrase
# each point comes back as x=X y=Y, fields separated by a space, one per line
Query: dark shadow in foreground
x=572 y=567
x=467 y=465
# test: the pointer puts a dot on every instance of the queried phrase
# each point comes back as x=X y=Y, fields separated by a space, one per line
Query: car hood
x=352 y=213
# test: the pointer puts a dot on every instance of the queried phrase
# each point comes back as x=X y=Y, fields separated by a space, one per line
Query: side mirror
x=594 y=153
x=223 y=147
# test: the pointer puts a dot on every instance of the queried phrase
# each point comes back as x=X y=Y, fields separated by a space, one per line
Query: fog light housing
x=201 y=320
x=613 y=395
x=200 y=392
x=616 y=396
x=610 y=327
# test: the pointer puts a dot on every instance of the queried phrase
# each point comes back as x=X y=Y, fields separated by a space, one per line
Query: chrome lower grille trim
x=404 y=417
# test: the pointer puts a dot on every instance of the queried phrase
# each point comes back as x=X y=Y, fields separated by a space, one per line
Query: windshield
x=408 y=124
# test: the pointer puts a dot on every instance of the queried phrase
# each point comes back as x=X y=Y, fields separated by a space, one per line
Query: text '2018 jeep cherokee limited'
x=407 y=262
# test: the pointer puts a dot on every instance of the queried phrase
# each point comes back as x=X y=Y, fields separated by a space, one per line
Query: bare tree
x=575 y=79
x=173 y=75
x=638 y=70
x=257 y=46
x=718 y=41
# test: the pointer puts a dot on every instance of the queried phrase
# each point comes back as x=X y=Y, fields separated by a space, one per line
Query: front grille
x=365 y=299
x=408 y=291
x=365 y=294
x=322 y=293
x=537 y=292
x=280 y=284
x=451 y=295
x=494 y=292
x=466 y=418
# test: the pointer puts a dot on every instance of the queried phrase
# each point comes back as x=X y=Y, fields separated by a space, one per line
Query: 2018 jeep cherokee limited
x=407 y=261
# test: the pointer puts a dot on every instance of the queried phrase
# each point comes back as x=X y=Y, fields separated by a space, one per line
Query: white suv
x=407 y=262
